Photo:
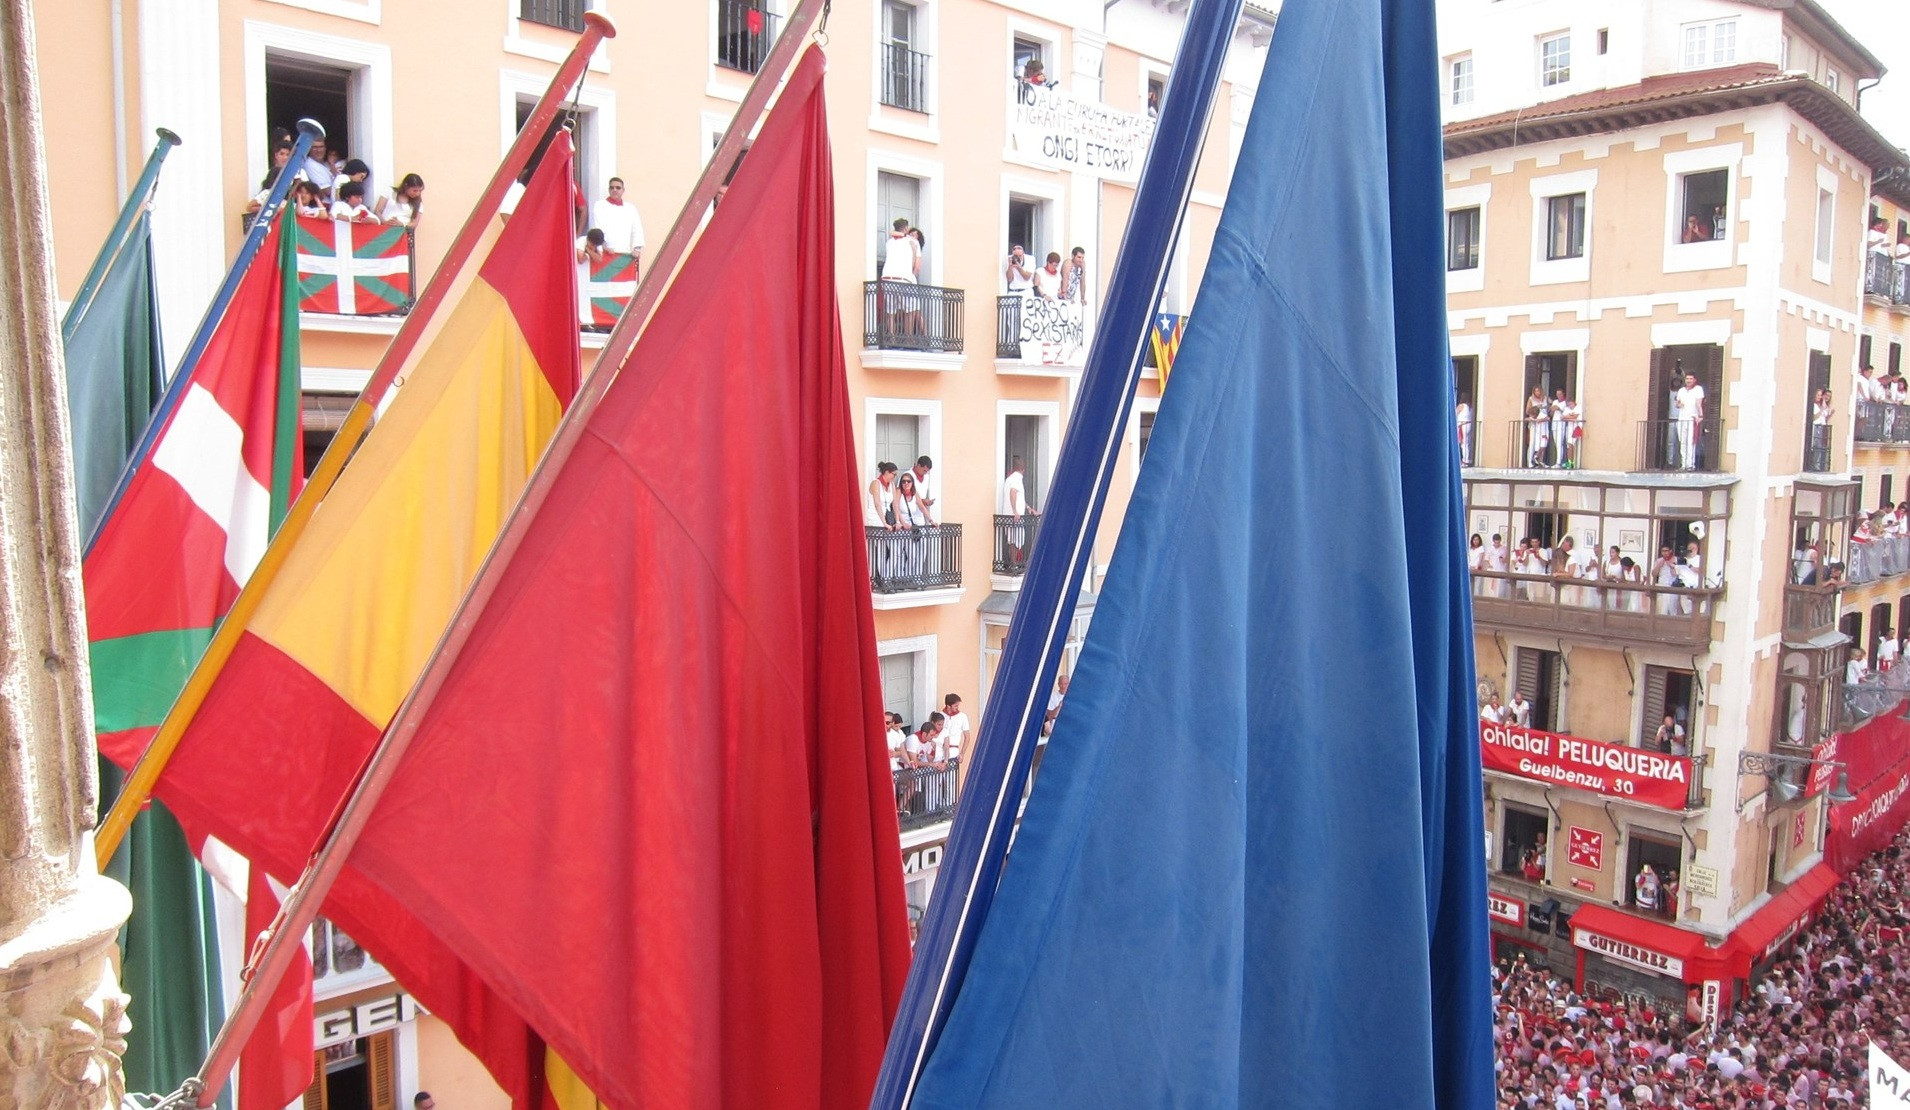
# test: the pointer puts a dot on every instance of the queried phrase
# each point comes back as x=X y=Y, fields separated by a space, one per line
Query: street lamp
x=1786 y=786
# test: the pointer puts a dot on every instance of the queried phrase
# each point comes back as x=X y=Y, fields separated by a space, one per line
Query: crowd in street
x=1799 y=1038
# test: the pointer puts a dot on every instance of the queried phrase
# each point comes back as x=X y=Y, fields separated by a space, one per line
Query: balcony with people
x=1042 y=323
x=914 y=558
x=900 y=315
x=1886 y=264
x=1617 y=563
x=1884 y=418
x=1819 y=529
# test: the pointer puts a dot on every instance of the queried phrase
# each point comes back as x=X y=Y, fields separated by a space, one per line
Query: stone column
x=62 y=1016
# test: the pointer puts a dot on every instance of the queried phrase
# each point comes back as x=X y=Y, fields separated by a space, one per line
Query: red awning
x=1780 y=918
x=1699 y=960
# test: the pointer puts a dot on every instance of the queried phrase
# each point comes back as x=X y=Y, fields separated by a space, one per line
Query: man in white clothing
x=955 y=730
x=622 y=227
x=1689 y=409
x=1519 y=712
x=1014 y=503
x=921 y=469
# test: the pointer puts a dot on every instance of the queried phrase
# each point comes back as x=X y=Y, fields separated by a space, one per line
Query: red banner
x=1614 y=770
x=1861 y=827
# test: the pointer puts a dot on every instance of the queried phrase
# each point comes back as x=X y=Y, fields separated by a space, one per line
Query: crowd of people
x=330 y=184
x=1799 y=1038
x=1573 y=576
x=1053 y=280
x=935 y=745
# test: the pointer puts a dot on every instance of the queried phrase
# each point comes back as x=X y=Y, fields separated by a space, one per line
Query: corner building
x=933 y=119
x=1646 y=200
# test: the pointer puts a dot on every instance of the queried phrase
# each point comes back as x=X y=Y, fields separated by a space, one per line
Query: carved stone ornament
x=73 y=1063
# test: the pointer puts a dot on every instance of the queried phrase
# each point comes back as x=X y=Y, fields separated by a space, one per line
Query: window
x=1784 y=53
x=1830 y=80
x=1555 y=60
x=1712 y=43
x=1462 y=239
x=1028 y=227
x=1604 y=41
x=1651 y=873
x=334 y=953
x=1156 y=93
x=1668 y=691
x=1895 y=358
x=1540 y=674
x=1030 y=50
x=745 y=29
x=897 y=196
x=1863 y=351
x=904 y=68
x=1522 y=843
x=1025 y=437
x=583 y=140
x=1826 y=211
x=302 y=88
x=1705 y=195
x=899 y=687
x=1145 y=424
x=1460 y=70
x=1565 y=227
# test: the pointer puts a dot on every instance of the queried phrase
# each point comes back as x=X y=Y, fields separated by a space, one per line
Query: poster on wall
x=1586 y=848
x=1062 y=132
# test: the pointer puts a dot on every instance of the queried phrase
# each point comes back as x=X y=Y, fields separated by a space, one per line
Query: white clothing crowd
x=1573 y=576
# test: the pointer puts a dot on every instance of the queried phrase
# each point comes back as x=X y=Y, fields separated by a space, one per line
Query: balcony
x=744 y=34
x=567 y=15
x=1873 y=697
x=1468 y=441
x=1693 y=445
x=1878 y=559
x=1035 y=335
x=925 y=795
x=915 y=566
x=1671 y=615
x=1882 y=422
x=903 y=316
x=1546 y=444
x=1886 y=280
x=1817 y=450
x=904 y=77
x=1809 y=611
x=1014 y=540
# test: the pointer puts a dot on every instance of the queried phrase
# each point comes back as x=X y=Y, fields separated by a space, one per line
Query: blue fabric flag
x=1251 y=872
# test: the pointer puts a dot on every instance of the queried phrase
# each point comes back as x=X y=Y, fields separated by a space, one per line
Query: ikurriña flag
x=650 y=805
x=1249 y=873
x=344 y=628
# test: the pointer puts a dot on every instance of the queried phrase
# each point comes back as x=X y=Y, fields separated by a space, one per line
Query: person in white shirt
x=955 y=730
x=1612 y=570
x=1047 y=279
x=318 y=166
x=1013 y=502
x=1020 y=272
x=1497 y=558
x=407 y=202
x=350 y=204
x=920 y=471
x=1886 y=652
x=1492 y=712
x=1519 y=710
x=1688 y=408
x=1856 y=670
x=1462 y=416
x=901 y=265
x=622 y=226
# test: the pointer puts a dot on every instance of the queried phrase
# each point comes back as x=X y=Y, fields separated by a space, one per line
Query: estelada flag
x=359 y=603
x=651 y=803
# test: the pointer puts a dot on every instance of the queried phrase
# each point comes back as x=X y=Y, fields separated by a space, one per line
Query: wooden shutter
x=1534 y=371
x=1654 y=712
x=381 y=1074
x=1557 y=692
x=315 y=1094
x=1526 y=676
x=1658 y=404
x=1863 y=351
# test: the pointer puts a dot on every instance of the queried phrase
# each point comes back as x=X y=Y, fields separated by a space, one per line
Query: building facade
x=1655 y=216
x=936 y=118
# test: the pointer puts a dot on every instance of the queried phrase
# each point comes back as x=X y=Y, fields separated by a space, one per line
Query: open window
x=1540 y=677
x=1703 y=196
x=897 y=197
x=1030 y=221
x=904 y=62
x=1462 y=238
x=1028 y=50
x=1668 y=691
x=302 y=88
x=1522 y=843
x=1653 y=863
x=583 y=122
x=745 y=30
x=1026 y=438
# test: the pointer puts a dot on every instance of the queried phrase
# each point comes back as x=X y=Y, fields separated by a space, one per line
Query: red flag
x=276 y=1066
x=651 y=807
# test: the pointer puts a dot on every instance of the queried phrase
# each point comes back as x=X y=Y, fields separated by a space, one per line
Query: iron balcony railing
x=567 y=14
x=1873 y=697
x=1546 y=444
x=1679 y=445
x=1885 y=557
x=903 y=560
x=1882 y=422
x=904 y=316
x=1809 y=610
x=1817 y=450
x=925 y=794
x=1040 y=330
x=1469 y=442
x=1885 y=278
x=1695 y=797
x=744 y=34
x=1014 y=539
x=1672 y=615
x=904 y=77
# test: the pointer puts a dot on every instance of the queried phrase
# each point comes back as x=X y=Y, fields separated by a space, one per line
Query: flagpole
x=152 y=763
x=136 y=202
x=1017 y=703
x=306 y=897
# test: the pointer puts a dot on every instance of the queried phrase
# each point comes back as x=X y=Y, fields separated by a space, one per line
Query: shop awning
x=1760 y=935
x=1650 y=945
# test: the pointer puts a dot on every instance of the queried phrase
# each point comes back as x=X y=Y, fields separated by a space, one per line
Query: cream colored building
x=924 y=105
x=1637 y=191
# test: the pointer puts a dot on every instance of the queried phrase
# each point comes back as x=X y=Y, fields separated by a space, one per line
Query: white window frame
x=372 y=118
x=1050 y=38
x=364 y=11
x=1453 y=87
x=1565 y=78
x=555 y=51
x=1150 y=69
x=1052 y=192
x=931 y=175
x=1708 y=52
x=925 y=409
x=731 y=84
x=1050 y=442
x=600 y=160
x=1470 y=196
x=1716 y=254
x=1559 y=271
x=1150 y=406
x=927 y=649
x=924 y=126
x=1824 y=225
x=1832 y=81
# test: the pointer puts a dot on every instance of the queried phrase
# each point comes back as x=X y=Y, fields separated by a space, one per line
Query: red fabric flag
x=276 y=1066
x=651 y=807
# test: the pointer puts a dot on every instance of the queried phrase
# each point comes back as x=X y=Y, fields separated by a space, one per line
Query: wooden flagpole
x=145 y=773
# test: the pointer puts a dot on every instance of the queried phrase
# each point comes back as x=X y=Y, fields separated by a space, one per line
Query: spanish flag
x=344 y=629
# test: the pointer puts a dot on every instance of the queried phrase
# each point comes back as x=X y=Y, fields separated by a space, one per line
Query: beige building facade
x=934 y=120
x=1655 y=242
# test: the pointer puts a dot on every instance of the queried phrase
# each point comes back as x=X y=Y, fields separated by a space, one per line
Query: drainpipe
x=118 y=18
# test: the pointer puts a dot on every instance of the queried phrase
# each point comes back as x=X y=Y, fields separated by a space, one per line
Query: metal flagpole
x=1017 y=703
x=145 y=773
x=136 y=203
x=302 y=904
x=308 y=132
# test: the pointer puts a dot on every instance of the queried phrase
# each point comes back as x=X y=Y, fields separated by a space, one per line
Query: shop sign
x=926 y=858
x=1821 y=772
x=1536 y=919
x=1063 y=132
x=1586 y=885
x=1797 y=830
x=1633 y=955
x=1710 y=1000
x=362 y=1020
x=1699 y=879
x=1500 y=908
x=1586 y=848
x=1613 y=770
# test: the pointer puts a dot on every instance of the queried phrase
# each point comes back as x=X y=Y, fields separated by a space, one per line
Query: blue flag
x=1251 y=872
